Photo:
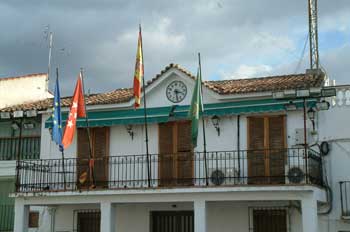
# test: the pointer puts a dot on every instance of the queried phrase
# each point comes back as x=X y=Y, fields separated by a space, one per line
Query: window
x=268 y=219
x=87 y=220
x=33 y=220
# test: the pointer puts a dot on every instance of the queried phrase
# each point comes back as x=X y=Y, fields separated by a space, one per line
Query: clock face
x=176 y=91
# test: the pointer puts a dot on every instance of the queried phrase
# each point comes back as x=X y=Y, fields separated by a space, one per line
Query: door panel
x=277 y=153
x=184 y=154
x=166 y=158
x=100 y=153
x=83 y=157
x=256 y=153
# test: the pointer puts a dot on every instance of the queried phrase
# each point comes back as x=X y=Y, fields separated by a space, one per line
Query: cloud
x=235 y=38
x=247 y=71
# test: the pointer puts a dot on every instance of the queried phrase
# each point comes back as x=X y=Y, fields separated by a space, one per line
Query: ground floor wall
x=221 y=216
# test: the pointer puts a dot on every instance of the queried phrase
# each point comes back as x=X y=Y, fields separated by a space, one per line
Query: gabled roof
x=223 y=87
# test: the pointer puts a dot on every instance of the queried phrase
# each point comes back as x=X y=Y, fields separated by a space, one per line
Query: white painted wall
x=221 y=216
x=334 y=127
x=22 y=89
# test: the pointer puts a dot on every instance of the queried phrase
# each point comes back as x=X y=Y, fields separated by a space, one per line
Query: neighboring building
x=257 y=173
x=19 y=135
x=16 y=90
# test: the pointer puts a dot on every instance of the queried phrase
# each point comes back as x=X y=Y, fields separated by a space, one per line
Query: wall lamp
x=322 y=105
x=311 y=114
x=216 y=121
x=130 y=131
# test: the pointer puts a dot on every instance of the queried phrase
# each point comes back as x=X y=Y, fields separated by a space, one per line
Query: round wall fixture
x=324 y=147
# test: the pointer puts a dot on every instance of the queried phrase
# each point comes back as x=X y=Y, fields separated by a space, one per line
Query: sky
x=236 y=38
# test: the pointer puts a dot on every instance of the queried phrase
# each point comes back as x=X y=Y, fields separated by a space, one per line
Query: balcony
x=29 y=148
x=198 y=169
x=345 y=199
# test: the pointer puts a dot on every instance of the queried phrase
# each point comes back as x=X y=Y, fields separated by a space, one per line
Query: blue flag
x=56 y=117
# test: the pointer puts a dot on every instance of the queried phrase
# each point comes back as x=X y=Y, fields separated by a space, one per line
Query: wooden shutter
x=166 y=151
x=33 y=221
x=184 y=153
x=256 y=153
x=277 y=150
x=101 y=155
x=270 y=220
x=83 y=151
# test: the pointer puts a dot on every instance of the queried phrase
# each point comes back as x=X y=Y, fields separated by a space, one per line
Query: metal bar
x=145 y=114
x=203 y=126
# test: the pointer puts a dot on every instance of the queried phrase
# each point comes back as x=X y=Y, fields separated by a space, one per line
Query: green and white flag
x=196 y=108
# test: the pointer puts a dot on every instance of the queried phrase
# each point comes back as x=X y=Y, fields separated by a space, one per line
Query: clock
x=176 y=91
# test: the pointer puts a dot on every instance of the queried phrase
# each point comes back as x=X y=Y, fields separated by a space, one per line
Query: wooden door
x=277 y=153
x=270 y=220
x=266 y=150
x=172 y=221
x=82 y=162
x=100 y=152
x=256 y=153
x=175 y=154
x=184 y=153
x=166 y=154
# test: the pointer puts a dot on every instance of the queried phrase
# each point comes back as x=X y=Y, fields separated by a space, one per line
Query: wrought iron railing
x=26 y=148
x=345 y=198
x=6 y=218
x=216 y=168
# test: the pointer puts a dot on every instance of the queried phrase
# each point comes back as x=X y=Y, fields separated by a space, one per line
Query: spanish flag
x=138 y=77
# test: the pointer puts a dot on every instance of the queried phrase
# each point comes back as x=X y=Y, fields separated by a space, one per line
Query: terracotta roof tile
x=113 y=97
x=234 y=86
x=264 y=84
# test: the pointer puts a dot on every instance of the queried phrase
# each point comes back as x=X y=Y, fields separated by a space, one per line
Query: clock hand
x=176 y=94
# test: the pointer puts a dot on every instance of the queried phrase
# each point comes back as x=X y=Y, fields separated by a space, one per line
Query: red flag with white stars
x=77 y=109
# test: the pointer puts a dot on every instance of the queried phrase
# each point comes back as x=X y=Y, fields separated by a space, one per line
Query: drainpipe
x=239 y=144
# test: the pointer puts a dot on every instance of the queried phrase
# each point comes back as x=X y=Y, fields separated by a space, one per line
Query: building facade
x=275 y=158
x=19 y=135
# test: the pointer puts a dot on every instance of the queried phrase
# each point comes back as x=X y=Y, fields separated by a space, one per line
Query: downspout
x=239 y=145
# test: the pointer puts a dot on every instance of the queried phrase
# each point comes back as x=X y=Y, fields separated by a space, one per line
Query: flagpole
x=145 y=115
x=87 y=127
x=62 y=151
x=204 y=137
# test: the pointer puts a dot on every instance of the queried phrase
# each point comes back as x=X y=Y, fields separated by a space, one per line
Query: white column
x=108 y=219
x=200 y=216
x=52 y=212
x=21 y=216
x=309 y=214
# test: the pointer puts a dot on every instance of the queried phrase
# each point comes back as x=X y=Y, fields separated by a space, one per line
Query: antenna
x=49 y=63
x=313 y=35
